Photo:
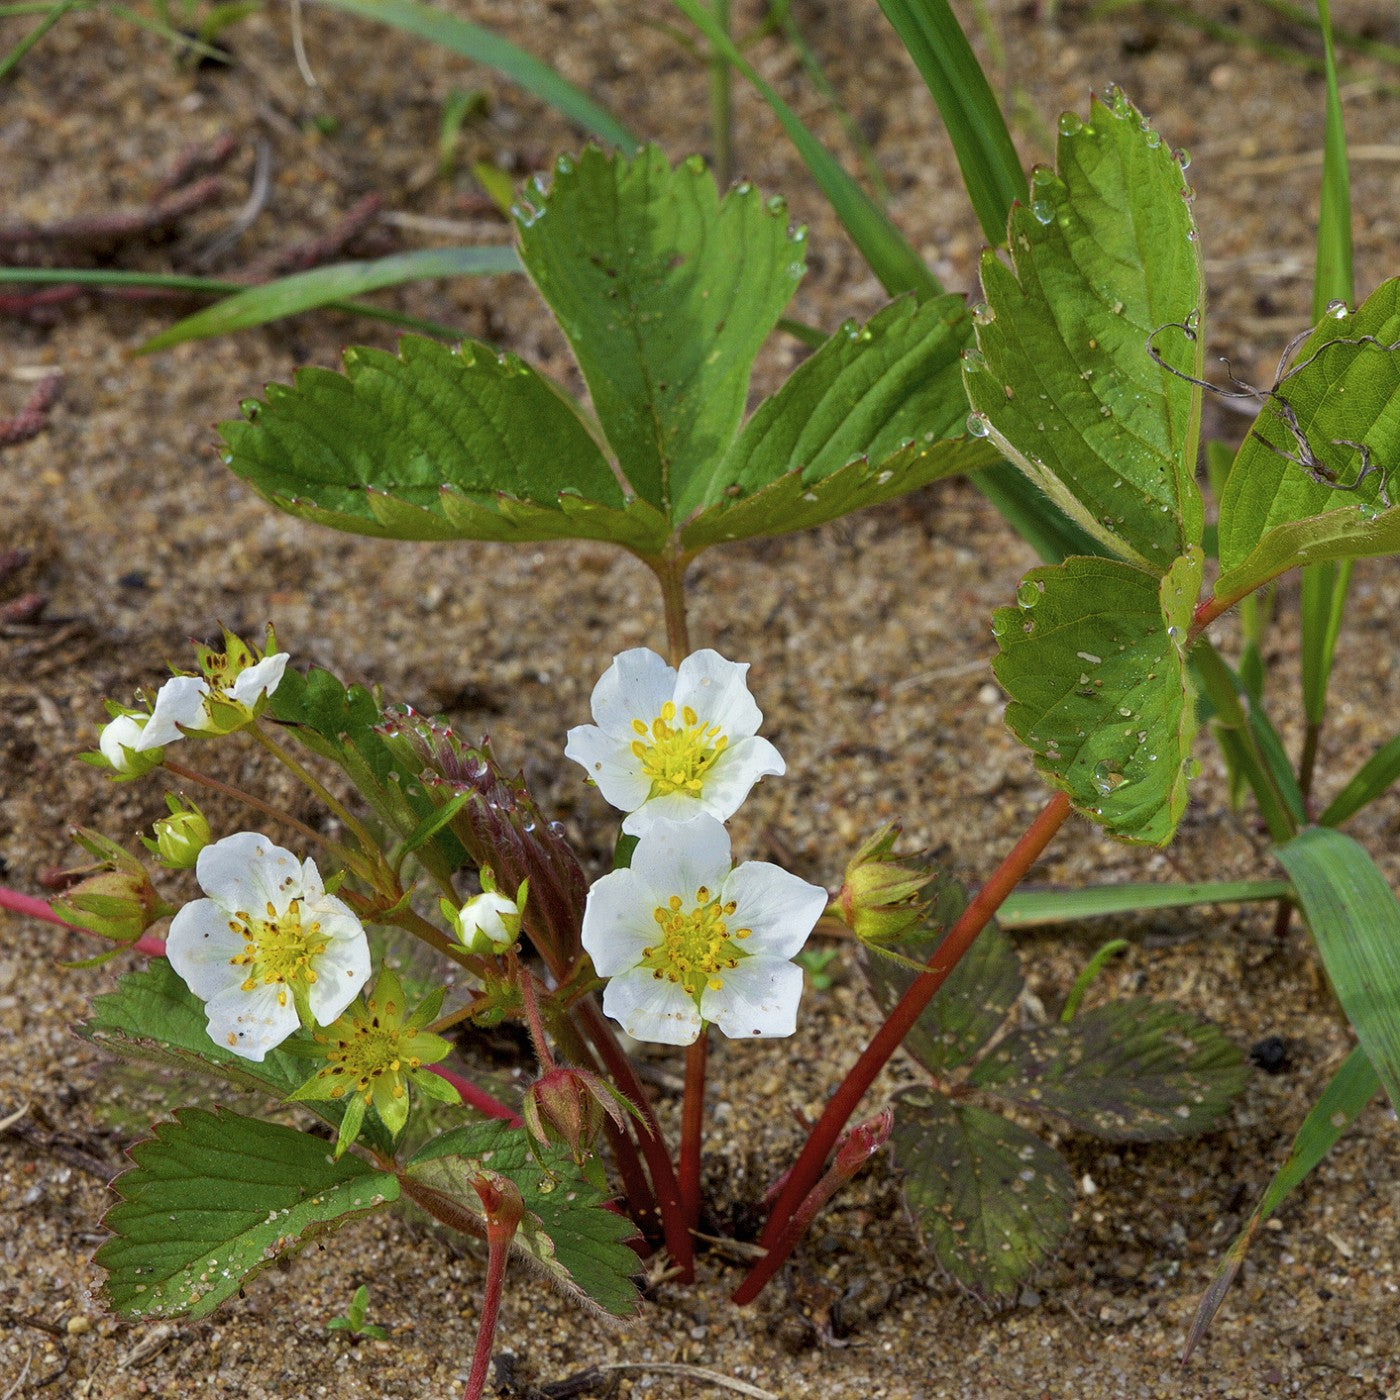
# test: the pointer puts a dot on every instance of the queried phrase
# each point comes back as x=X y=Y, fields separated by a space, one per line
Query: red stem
x=477 y=1097
x=807 y=1170
x=496 y=1256
x=33 y=908
x=692 y=1127
x=649 y=1139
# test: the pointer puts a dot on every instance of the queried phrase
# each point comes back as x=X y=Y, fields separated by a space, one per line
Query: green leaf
x=213 y=1200
x=892 y=258
x=1094 y=662
x=1274 y=514
x=665 y=293
x=1130 y=1071
x=974 y=1000
x=1355 y=921
x=991 y=170
x=322 y=286
x=868 y=394
x=444 y=29
x=1350 y=1090
x=1104 y=255
x=1028 y=908
x=151 y=1016
x=567 y=1234
x=434 y=443
x=1373 y=778
x=988 y=1196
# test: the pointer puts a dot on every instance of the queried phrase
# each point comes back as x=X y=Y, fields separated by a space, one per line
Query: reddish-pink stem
x=33 y=908
x=504 y=1210
x=692 y=1127
x=477 y=1097
x=807 y=1170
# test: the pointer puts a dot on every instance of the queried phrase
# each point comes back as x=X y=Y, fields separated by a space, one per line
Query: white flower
x=673 y=744
x=488 y=923
x=267 y=946
x=120 y=740
x=687 y=938
x=183 y=701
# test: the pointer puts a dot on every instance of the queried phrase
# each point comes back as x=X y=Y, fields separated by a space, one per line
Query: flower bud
x=883 y=897
x=180 y=837
x=489 y=923
x=568 y=1106
x=118 y=744
x=118 y=901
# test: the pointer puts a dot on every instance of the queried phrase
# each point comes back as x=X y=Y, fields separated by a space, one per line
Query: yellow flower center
x=696 y=944
x=677 y=757
x=277 y=948
x=361 y=1054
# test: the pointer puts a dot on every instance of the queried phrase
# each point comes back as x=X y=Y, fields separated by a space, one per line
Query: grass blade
x=1372 y=779
x=482 y=46
x=15 y=57
x=1351 y=1089
x=1355 y=921
x=1036 y=908
x=1325 y=586
x=891 y=256
x=990 y=166
x=322 y=286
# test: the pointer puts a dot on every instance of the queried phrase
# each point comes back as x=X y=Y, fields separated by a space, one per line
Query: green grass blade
x=321 y=286
x=891 y=256
x=1355 y=921
x=15 y=57
x=990 y=166
x=1037 y=908
x=482 y=46
x=1351 y=1089
x=1373 y=778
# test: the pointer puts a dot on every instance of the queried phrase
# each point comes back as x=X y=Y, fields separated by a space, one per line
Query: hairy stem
x=250 y=800
x=807 y=1170
x=692 y=1127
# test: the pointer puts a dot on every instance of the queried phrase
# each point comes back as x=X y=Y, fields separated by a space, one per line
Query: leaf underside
x=1104 y=255
x=567 y=1234
x=1274 y=514
x=1093 y=659
x=988 y=1196
x=214 y=1199
x=1129 y=1071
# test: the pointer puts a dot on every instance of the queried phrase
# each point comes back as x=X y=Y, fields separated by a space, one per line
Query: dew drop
x=974 y=360
x=1042 y=177
x=1125 y=712
x=1183 y=158
x=982 y=314
x=977 y=425
x=1070 y=125
x=1190 y=768
x=1106 y=779
x=1154 y=139
x=1030 y=592
x=1042 y=211
x=695 y=164
x=1337 y=310
x=776 y=205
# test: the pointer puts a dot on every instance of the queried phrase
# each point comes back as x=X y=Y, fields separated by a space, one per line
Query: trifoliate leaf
x=973 y=1001
x=1131 y=1071
x=567 y=1233
x=989 y=1197
x=1094 y=662
x=213 y=1200
x=1345 y=390
x=665 y=292
x=1104 y=255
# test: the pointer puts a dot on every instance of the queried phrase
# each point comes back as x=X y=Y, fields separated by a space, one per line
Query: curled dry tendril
x=1303 y=454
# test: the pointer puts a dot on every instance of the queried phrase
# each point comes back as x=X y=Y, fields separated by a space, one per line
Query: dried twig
x=29 y=422
x=100 y=230
x=311 y=252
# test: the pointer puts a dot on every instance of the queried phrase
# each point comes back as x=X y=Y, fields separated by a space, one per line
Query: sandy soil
x=873 y=690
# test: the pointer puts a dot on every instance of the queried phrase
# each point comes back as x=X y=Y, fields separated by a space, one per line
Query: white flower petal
x=718 y=692
x=652 y=1008
x=253 y=682
x=611 y=764
x=340 y=972
x=735 y=772
x=780 y=908
x=618 y=923
x=679 y=858
x=247 y=871
x=180 y=701
x=759 y=997
x=200 y=946
x=250 y=1023
x=672 y=807
x=635 y=686
x=124 y=732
